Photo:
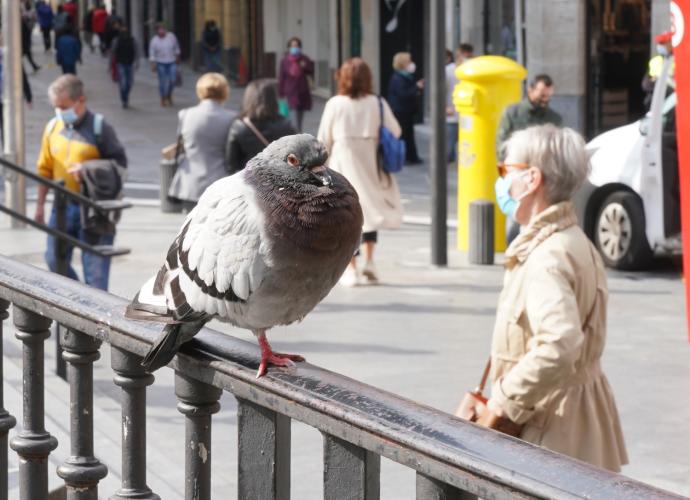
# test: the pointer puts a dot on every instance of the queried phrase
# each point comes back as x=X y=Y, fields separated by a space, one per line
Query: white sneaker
x=369 y=273
x=349 y=277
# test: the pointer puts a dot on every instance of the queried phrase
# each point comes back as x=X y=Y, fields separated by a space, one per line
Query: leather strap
x=255 y=130
x=485 y=377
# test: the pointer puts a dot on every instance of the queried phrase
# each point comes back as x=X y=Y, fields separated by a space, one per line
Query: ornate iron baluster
x=81 y=471
x=264 y=452
x=429 y=488
x=197 y=401
x=133 y=379
x=349 y=471
x=7 y=421
x=33 y=443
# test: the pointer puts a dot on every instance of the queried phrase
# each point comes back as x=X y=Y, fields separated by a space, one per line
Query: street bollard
x=481 y=249
x=167 y=172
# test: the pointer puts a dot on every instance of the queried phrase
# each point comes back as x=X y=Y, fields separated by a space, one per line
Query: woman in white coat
x=350 y=130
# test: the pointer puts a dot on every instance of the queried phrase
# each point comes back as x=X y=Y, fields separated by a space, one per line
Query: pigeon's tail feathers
x=149 y=303
x=168 y=343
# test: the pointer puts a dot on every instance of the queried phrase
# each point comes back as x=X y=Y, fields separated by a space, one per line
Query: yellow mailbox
x=488 y=84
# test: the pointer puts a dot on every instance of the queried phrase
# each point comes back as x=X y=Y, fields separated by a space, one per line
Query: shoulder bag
x=391 y=150
x=255 y=131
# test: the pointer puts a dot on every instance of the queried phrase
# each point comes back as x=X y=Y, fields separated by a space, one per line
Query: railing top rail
x=428 y=440
x=105 y=206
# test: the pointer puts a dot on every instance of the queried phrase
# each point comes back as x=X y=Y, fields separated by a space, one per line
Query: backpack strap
x=98 y=128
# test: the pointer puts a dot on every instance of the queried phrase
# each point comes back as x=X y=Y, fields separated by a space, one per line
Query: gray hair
x=558 y=152
x=66 y=83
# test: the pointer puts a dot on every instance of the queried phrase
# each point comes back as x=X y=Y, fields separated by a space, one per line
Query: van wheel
x=619 y=234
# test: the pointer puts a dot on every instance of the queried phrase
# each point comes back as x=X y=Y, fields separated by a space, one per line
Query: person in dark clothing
x=61 y=22
x=68 y=51
x=112 y=27
x=45 y=15
x=259 y=123
x=293 y=81
x=212 y=47
x=87 y=28
x=26 y=44
x=126 y=58
x=403 y=92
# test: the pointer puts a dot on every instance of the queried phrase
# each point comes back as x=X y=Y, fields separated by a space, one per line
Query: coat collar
x=555 y=218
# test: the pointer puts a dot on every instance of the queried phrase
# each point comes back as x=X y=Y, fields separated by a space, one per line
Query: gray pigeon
x=262 y=248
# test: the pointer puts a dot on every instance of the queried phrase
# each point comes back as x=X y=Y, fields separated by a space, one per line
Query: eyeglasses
x=503 y=167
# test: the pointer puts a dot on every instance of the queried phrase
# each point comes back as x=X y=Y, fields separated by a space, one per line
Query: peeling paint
x=203 y=452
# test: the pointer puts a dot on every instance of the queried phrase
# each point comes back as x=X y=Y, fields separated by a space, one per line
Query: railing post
x=7 y=421
x=349 y=471
x=429 y=488
x=33 y=443
x=133 y=379
x=264 y=452
x=62 y=268
x=81 y=471
x=197 y=401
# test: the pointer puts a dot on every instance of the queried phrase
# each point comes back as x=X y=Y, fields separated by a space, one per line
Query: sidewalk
x=423 y=334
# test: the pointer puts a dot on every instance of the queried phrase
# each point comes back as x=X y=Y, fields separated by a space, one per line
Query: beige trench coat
x=548 y=340
x=349 y=128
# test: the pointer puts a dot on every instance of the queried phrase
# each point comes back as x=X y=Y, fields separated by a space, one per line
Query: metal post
x=264 y=452
x=33 y=444
x=349 y=471
x=133 y=379
x=7 y=421
x=437 y=144
x=13 y=108
x=519 y=38
x=81 y=471
x=197 y=401
x=428 y=488
x=62 y=264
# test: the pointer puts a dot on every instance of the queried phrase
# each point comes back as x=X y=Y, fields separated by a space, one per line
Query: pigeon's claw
x=268 y=357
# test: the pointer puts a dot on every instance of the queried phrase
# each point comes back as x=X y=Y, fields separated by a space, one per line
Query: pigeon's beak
x=321 y=173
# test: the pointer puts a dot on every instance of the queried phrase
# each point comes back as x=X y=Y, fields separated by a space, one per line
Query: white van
x=630 y=205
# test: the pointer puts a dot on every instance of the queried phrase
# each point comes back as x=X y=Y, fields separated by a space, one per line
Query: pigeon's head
x=300 y=158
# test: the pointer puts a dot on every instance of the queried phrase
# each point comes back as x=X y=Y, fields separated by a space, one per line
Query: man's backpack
x=391 y=150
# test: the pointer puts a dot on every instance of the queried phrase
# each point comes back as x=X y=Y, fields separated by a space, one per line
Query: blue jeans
x=125 y=76
x=212 y=60
x=96 y=269
x=452 y=141
x=167 y=73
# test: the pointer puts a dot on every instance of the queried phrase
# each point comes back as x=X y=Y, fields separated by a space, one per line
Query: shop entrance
x=618 y=40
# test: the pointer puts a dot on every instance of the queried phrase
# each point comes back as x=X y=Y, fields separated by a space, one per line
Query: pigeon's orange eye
x=293 y=160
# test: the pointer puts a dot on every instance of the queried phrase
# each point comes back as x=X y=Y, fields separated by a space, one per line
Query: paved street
x=423 y=334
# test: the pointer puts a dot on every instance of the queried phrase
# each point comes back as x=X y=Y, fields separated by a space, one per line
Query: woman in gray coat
x=202 y=131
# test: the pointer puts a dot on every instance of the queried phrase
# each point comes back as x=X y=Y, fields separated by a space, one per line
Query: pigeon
x=261 y=248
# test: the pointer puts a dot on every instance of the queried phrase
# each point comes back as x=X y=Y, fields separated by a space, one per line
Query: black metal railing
x=453 y=459
x=63 y=240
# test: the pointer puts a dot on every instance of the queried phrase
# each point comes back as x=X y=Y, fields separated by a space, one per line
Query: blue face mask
x=295 y=51
x=68 y=116
x=662 y=50
x=505 y=200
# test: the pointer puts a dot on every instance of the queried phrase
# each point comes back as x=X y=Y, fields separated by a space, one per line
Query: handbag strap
x=380 y=114
x=255 y=130
x=485 y=377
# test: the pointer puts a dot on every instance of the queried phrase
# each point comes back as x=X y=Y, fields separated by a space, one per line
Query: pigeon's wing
x=218 y=252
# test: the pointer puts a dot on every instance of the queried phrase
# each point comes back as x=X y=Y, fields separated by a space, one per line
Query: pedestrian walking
x=550 y=328
x=68 y=50
x=72 y=143
x=202 y=132
x=27 y=28
x=403 y=95
x=212 y=47
x=72 y=10
x=126 y=59
x=98 y=21
x=296 y=69
x=44 y=13
x=350 y=130
x=259 y=124
x=453 y=60
x=87 y=28
x=164 y=54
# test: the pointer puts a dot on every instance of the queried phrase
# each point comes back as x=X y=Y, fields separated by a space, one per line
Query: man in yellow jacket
x=74 y=137
x=664 y=49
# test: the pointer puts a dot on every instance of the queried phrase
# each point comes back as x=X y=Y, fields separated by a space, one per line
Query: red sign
x=680 y=13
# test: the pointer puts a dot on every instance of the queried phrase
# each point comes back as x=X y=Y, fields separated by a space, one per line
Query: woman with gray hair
x=550 y=330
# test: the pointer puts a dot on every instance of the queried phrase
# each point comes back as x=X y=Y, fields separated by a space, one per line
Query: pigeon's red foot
x=268 y=357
